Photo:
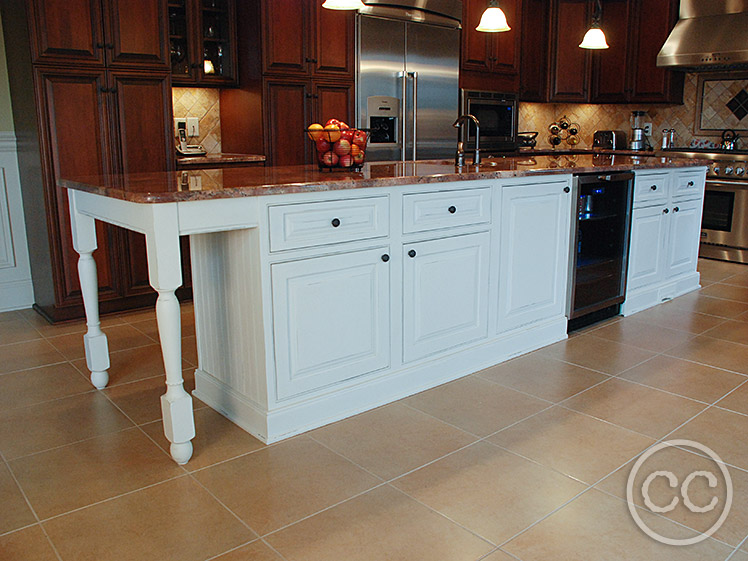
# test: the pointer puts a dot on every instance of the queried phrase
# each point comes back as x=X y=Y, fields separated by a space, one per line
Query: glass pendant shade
x=493 y=19
x=594 y=39
x=343 y=4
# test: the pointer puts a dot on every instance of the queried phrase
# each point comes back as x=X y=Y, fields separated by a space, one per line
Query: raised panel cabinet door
x=334 y=40
x=611 y=67
x=66 y=30
x=285 y=36
x=215 y=39
x=75 y=133
x=477 y=47
x=286 y=116
x=141 y=114
x=331 y=319
x=334 y=101
x=534 y=51
x=445 y=294
x=569 y=64
x=647 y=247
x=534 y=253
x=506 y=45
x=137 y=33
x=684 y=237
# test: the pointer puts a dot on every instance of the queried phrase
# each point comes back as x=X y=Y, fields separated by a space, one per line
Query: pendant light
x=493 y=19
x=343 y=4
x=595 y=38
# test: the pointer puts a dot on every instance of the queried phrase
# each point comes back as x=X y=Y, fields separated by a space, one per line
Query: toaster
x=609 y=140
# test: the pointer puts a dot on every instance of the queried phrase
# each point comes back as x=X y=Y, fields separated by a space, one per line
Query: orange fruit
x=315 y=131
x=333 y=133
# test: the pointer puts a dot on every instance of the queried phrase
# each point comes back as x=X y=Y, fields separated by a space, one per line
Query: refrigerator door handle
x=403 y=114
x=415 y=112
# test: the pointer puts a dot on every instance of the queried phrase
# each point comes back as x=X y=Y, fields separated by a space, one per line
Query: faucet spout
x=465 y=120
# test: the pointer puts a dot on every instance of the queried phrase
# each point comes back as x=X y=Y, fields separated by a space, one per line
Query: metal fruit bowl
x=343 y=149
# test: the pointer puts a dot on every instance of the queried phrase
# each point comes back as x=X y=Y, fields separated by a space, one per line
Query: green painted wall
x=6 y=115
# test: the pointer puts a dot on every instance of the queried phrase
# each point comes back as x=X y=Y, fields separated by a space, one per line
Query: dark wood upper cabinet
x=534 y=50
x=333 y=101
x=334 y=37
x=569 y=65
x=136 y=33
x=610 y=67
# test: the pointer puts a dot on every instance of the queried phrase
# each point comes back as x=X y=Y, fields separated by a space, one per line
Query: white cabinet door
x=684 y=237
x=331 y=319
x=647 y=246
x=534 y=253
x=445 y=294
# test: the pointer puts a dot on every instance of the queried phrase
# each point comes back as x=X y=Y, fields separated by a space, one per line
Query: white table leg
x=84 y=242
x=165 y=274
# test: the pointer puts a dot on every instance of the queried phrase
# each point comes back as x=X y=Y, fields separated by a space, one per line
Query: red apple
x=345 y=161
x=343 y=126
x=359 y=137
x=323 y=146
x=332 y=122
x=330 y=159
x=342 y=147
x=347 y=134
x=359 y=158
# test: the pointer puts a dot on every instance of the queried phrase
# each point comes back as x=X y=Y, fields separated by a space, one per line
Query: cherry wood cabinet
x=491 y=61
x=610 y=82
x=569 y=65
x=534 y=50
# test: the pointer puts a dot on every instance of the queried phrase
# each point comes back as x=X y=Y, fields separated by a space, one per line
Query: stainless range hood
x=708 y=35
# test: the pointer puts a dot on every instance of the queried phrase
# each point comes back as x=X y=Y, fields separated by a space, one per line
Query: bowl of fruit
x=338 y=146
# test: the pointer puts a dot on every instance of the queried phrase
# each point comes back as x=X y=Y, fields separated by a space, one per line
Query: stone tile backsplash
x=204 y=104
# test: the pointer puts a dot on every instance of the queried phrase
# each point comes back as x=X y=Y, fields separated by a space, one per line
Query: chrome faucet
x=458 y=124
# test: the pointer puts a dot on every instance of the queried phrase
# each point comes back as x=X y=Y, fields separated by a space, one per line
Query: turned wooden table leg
x=97 y=349
x=165 y=273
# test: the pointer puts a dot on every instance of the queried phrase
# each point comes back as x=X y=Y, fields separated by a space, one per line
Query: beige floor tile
x=141 y=400
x=544 y=377
x=737 y=400
x=490 y=491
x=714 y=352
x=731 y=330
x=701 y=303
x=392 y=440
x=150 y=328
x=685 y=378
x=672 y=317
x=74 y=476
x=26 y=545
x=174 y=520
x=644 y=410
x=119 y=338
x=572 y=443
x=381 y=524
x=136 y=316
x=492 y=407
x=682 y=463
x=741 y=555
x=284 y=483
x=499 y=555
x=10 y=316
x=599 y=527
x=30 y=354
x=719 y=270
x=16 y=512
x=216 y=439
x=189 y=350
x=16 y=331
x=53 y=330
x=133 y=364
x=738 y=279
x=256 y=551
x=726 y=291
x=598 y=354
x=47 y=425
x=723 y=431
x=28 y=387
x=642 y=335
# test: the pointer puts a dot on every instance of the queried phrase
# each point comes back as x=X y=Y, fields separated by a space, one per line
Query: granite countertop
x=248 y=181
x=222 y=159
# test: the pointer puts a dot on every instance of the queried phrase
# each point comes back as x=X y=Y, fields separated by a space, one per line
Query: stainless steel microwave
x=497 y=113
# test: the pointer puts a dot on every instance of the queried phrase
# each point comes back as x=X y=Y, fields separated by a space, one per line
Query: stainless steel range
x=724 y=226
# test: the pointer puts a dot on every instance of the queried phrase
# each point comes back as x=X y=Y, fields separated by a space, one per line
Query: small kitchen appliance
x=638 y=138
x=498 y=116
x=609 y=140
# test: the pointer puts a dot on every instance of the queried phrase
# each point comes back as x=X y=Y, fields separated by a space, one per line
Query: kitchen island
x=319 y=295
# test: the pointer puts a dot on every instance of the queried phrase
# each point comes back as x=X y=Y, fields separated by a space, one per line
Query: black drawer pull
x=665 y=211
x=567 y=189
x=412 y=253
x=690 y=183
x=452 y=209
x=654 y=187
x=335 y=222
x=385 y=258
x=676 y=209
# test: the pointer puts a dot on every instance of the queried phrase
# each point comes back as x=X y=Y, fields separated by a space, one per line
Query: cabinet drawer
x=688 y=185
x=309 y=224
x=446 y=209
x=650 y=188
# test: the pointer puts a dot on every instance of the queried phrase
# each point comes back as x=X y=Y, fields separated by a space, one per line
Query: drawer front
x=446 y=209
x=309 y=224
x=688 y=185
x=650 y=188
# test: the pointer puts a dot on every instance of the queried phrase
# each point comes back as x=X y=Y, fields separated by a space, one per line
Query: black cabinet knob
x=452 y=209
x=676 y=209
x=567 y=189
x=385 y=258
x=335 y=222
x=690 y=183
x=412 y=253
x=665 y=211
x=99 y=45
x=654 y=187
x=109 y=46
x=103 y=89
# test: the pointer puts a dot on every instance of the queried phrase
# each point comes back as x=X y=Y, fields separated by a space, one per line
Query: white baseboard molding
x=364 y=393
x=649 y=296
x=16 y=295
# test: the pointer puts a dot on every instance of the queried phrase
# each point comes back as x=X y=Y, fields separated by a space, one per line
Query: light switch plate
x=193 y=126
x=179 y=121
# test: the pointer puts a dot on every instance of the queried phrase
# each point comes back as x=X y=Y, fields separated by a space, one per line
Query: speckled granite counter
x=251 y=181
x=219 y=160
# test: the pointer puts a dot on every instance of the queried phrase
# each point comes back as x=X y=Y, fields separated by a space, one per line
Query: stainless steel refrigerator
x=408 y=77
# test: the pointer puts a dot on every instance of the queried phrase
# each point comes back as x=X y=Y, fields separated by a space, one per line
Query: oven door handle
x=726 y=183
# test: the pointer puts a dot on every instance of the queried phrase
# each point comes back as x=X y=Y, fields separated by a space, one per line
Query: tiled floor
x=526 y=460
